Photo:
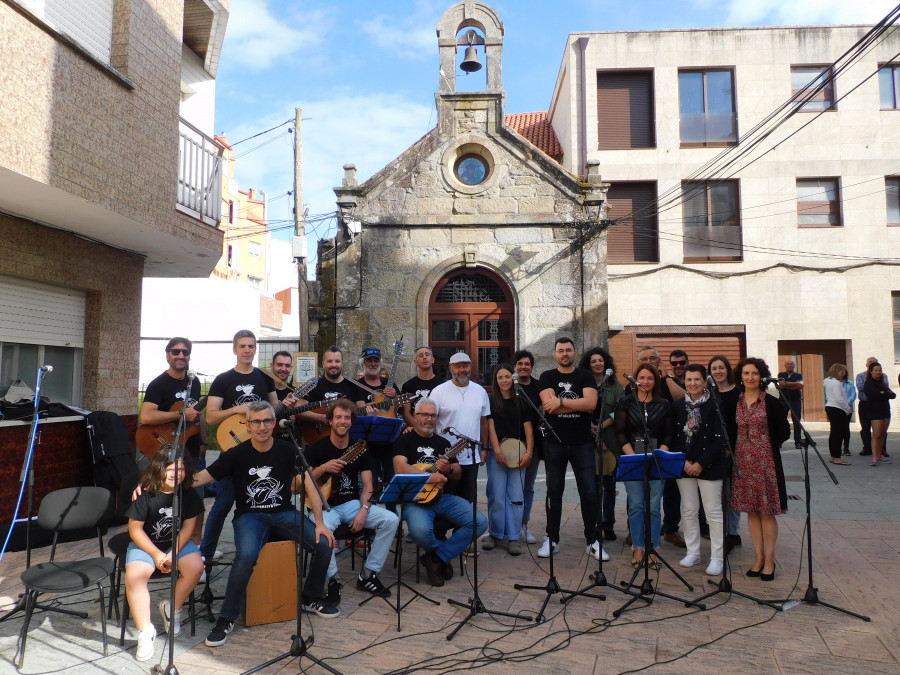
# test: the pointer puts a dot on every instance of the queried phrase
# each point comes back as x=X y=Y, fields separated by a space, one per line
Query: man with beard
x=422 y=446
x=463 y=405
x=283 y=368
x=168 y=389
x=349 y=503
x=332 y=386
x=523 y=362
x=381 y=453
x=569 y=396
x=263 y=472
x=422 y=384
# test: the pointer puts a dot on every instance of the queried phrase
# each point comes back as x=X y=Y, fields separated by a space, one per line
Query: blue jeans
x=734 y=521
x=458 y=511
x=635 y=491
x=250 y=533
x=582 y=458
x=215 y=519
x=505 y=499
x=378 y=518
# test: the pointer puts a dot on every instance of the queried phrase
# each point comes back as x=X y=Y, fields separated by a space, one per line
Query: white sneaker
x=164 y=610
x=202 y=579
x=218 y=554
x=544 y=550
x=690 y=560
x=527 y=535
x=715 y=568
x=597 y=551
x=145 y=648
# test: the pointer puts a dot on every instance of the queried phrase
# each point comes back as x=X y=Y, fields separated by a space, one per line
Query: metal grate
x=471 y=288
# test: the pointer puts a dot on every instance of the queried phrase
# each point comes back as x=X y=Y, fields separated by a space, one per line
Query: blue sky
x=365 y=74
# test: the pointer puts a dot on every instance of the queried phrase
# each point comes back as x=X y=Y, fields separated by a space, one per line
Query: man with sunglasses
x=262 y=470
x=167 y=390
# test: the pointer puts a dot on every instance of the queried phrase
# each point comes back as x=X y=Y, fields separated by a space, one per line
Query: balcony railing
x=199 y=174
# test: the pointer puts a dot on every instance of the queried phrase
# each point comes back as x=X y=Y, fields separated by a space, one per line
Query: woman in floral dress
x=760 y=490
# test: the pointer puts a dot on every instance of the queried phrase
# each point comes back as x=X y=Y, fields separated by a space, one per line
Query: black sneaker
x=884 y=453
x=319 y=607
x=609 y=535
x=333 y=594
x=373 y=585
x=219 y=633
x=434 y=568
x=865 y=452
x=447 y=571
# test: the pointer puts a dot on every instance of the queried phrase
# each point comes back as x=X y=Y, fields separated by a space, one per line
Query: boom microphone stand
x=811 y=596
x=299 y=647
x=474 y=605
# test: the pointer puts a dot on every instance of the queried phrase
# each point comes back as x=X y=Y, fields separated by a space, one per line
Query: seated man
x=348 y=503
x=263 y=473
x=422 y=446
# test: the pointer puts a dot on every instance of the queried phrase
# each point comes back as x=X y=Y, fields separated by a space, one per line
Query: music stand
x=374 y=429
x=658 y=465
x=403 y=489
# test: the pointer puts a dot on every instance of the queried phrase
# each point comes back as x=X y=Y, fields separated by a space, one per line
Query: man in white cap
x=463 y=408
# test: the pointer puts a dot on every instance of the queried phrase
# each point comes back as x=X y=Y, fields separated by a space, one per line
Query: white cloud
x=408 y=34
x=256 y=39
x=801 y=12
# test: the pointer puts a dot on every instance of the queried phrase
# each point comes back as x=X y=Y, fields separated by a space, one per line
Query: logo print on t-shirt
x=426 y=455
x=180 y=395
x=163 y=527
x=247 y=396
x=346 y=485
x=332 y=395
x=263 y=492
x=567 y=392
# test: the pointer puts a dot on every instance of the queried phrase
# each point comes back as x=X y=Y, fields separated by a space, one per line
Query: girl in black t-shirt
x=150 y=523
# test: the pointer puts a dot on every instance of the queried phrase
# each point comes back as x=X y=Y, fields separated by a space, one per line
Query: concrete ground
x=856 y=540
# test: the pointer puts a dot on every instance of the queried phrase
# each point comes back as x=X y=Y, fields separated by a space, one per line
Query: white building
x=791 y=253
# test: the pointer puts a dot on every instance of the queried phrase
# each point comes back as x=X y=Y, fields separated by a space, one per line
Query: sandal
x=635 y=560
x=654 y=563
x=838 y=460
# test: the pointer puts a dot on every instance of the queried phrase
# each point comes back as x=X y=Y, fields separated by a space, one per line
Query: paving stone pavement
x=856 y=540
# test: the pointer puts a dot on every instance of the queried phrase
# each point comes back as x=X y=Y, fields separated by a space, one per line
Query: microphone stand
x=475 y=605
x=811 y=596
x=300 y=648
x=645 y=591
x=176 y=454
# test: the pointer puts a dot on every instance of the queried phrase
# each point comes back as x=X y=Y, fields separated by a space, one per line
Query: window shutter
x=87 y=22
x=625 y=111
x=635 y=239
x=35 y=313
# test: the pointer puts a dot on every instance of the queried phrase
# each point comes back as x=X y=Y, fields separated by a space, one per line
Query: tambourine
x=512 y=450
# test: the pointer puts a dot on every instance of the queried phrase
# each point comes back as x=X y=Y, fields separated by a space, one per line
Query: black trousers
x=840 y=430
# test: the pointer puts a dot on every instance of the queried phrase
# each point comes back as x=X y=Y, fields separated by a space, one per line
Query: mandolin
x=327 y=480
x=431 y=491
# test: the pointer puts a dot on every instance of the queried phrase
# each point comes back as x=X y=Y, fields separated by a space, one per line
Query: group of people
x=571 y=415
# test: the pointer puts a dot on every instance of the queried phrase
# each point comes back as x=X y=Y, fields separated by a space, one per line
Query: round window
x=471 y=169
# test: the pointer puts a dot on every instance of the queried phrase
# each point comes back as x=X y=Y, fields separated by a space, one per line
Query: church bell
x=470 y=63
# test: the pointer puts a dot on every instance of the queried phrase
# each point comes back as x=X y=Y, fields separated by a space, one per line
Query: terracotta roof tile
x=535 y=127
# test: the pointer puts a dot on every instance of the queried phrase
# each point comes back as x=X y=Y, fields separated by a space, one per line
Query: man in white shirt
x=464 y=406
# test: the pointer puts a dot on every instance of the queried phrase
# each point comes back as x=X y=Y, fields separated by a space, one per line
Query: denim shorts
x=135 y=553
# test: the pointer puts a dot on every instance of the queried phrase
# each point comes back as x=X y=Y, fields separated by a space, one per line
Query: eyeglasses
x=255 y=424
x=428 y=416
x=647 y=359
x=682 y=362
x=179 y=352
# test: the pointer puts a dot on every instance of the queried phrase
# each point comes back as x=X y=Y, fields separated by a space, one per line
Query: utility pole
x=299 y=242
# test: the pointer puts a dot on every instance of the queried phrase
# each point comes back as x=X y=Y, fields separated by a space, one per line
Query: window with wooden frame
x=633 y=236
x=814 y=88
x=818 y=202
x=707 y=107
x=625 y=116
x=712 y=221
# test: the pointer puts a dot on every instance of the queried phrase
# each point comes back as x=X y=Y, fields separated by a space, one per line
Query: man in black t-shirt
x=381 y=453
x=283 y=368
x=422 y=384
x=349 y=503
x=523 y=362
x=332 y=386
x=231 y=393
x=422 y=446
x=167 y=390
x=569 y=396
x=262 y=470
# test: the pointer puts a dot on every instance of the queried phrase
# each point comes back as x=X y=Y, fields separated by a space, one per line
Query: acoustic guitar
x=385 y=406
x=234 y=430
x=326 y=482
x=431 y=491
x=314 y=431
x=152 y=437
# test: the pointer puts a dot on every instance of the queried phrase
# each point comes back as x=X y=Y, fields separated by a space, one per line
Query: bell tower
x=473 y=26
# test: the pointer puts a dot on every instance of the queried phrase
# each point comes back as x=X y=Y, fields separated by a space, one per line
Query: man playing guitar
x=381 y=453
x=330 y=388
x=349 y=503
x=165 y=392
x=423 y=446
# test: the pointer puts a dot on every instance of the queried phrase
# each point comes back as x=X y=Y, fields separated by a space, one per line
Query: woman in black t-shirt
x=510 y=421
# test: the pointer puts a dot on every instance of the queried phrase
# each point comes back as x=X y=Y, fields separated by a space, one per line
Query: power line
x=243 y=140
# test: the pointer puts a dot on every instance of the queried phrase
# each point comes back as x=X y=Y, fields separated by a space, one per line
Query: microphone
x=454 y=432
x=769 y=380
x=47 y=369
x=712 y=382
x=516 y=386
x=631 y=379
x=608 y=373
x=284 y=424
x=190 y=376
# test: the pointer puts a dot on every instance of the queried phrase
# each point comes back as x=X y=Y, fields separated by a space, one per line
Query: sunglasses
x=179 y=352
x=679 y=363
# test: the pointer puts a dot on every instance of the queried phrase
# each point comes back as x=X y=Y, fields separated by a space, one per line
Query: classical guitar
x=152 y=437
x=326 y=482
x=314 y=431
x=432 y=491
x=234 y=430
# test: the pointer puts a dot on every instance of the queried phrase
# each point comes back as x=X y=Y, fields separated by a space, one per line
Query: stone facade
x=526 y=221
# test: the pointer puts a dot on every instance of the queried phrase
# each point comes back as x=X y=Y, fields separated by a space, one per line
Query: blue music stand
x=663 y=464
x=374 y=429
x=403 y=489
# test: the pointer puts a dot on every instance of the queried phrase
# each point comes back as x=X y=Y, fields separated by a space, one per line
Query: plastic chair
x=68 y=509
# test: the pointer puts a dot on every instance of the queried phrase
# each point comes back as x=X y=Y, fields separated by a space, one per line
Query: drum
x=512 y=450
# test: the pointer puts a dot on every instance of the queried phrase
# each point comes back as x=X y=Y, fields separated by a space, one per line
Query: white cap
x=460 y=357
